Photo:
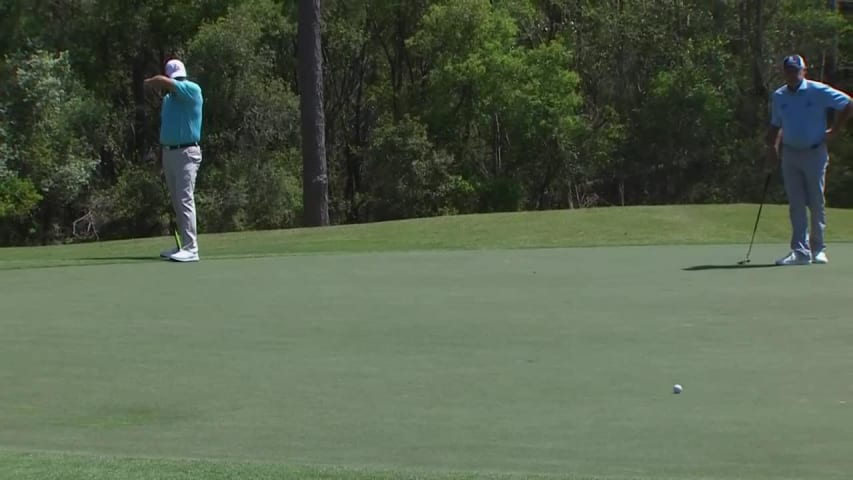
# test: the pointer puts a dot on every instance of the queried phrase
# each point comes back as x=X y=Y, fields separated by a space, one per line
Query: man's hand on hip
x=831 y=134
x=841 y=118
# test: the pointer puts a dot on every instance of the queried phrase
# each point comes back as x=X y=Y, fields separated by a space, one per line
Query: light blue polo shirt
x=180 y=114
x=801 y=114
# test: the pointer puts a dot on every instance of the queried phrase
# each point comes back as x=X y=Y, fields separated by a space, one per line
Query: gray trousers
x=180 y=167
x=804 y=174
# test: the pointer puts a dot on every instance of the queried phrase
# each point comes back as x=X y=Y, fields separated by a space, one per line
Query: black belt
x=177 y=147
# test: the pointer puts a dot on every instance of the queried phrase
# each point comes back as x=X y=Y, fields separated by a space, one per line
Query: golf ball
x=676 y=388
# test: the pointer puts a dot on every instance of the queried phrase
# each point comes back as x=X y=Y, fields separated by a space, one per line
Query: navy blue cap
x=794 y=61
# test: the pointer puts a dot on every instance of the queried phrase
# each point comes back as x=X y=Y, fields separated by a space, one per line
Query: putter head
x=743 y=262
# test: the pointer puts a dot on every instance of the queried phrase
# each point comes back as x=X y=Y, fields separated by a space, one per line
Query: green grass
x=434 y=359
x=699 y=224
x=59 y=466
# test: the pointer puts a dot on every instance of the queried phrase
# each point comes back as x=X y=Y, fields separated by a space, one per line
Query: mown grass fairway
x=434 y=349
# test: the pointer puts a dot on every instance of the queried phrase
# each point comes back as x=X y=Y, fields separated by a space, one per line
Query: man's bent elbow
x=772 y=136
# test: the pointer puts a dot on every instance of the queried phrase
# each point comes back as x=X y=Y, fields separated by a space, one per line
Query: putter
x=173 y=222
x=755 y=228
x=177 y=240
x=174 y=228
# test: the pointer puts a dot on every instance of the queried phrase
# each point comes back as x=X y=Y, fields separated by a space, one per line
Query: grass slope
x=698 y=224
x=431 y=364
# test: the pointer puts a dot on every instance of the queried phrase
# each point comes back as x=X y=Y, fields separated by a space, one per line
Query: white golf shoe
x=820 y=258
x=793 y=259
x=184 y=256
x=168 y=253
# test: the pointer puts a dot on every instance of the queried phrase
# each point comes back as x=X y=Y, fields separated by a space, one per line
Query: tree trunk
x=496 y=145
x=140 y=132
x=758 y=52
x=315 y=182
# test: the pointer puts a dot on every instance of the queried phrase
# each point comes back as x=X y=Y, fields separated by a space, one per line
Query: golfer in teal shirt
x=180 y=133
x=798 y=133
x=180 y=114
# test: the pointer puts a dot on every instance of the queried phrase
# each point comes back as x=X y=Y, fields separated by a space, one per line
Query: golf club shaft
x=173 y=225
x=758 y=217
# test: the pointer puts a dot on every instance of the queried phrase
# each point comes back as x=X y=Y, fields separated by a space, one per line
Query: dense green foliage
x=432 y=107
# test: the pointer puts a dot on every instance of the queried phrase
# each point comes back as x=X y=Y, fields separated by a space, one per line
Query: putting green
x=555 y=361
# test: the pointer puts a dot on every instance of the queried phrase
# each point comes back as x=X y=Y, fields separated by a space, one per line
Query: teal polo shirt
x=180 y=114
x=801 y=114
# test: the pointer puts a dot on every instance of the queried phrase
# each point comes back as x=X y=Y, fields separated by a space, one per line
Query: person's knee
x=816 y=199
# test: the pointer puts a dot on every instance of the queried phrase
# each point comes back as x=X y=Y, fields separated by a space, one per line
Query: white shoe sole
x=184 y=260
x=801 y=261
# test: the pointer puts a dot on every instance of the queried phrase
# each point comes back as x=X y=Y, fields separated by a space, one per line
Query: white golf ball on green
x=676 y=388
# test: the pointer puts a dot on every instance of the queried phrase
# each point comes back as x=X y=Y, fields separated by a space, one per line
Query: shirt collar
x=803 y=86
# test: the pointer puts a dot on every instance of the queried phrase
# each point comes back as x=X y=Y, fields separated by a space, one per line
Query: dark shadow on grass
x=84 y=262
x=699 y=268
x=147 y=258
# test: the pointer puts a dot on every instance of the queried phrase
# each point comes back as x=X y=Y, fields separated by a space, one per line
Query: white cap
x=175 y=68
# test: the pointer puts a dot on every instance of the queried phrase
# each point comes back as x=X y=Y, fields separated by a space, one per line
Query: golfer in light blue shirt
x=798 y=133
